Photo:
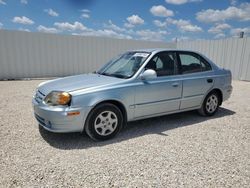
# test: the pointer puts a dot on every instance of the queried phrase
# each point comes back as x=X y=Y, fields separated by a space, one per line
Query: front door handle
x=209 y=80
x=175 y=84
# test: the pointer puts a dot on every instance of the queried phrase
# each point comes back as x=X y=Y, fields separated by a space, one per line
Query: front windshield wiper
x=119 y=75
x=113 y=75
x=103 y=73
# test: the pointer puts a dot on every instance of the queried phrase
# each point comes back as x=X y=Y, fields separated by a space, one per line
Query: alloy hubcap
x=212 y=103
x=106 y=123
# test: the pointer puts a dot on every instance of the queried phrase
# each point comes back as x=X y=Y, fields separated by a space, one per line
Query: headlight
x=57 y=98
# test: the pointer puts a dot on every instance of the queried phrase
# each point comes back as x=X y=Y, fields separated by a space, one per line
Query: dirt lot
x=181 y=150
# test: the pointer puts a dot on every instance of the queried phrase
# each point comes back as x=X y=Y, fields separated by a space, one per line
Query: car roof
x=156 y=50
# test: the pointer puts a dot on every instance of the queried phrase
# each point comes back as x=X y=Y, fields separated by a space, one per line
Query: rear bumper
x=227 y=92
x=56 y=119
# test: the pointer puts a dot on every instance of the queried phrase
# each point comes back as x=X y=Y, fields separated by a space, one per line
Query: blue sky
x=159 y=20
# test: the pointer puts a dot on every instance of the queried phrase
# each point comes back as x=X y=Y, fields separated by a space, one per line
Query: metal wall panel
x=245 y=61
x=30 y=55
x=231 y=53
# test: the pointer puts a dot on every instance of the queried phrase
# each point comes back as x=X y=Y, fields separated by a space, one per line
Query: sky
x=153 y=20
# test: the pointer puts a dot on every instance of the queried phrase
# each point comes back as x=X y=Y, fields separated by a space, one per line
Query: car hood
x=73 y=83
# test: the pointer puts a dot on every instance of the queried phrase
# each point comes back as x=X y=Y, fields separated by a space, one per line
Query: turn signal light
x=73 y=113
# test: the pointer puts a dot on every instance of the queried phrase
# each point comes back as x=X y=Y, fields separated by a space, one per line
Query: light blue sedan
x=136 y=85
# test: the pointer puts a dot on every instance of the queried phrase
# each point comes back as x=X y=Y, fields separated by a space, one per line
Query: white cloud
x=219 y=28
x=180 y=2
x=1 y=25
x=241 y=13
x=70 y=27
x=191 y=28
x=85 y=15
x=135 y=20
x=85 y=10
x=24 y=1
x=181 y=38
x=2 y=2
x=23 y=29
x=236 y=31
x=159 y=23
x=103 y=33
x=114 y=27
x=44 y=29
x=151 y=35
x=219 y=35
x=128 y=25
x=176 y=2
x=185 y=25
x=110 y=30
x=233 y=2
x=23 y=20
x=161 y=11
x=51 y=12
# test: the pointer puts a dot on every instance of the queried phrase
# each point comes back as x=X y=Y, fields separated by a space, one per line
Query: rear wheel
x=210 y=104
x=104 y=122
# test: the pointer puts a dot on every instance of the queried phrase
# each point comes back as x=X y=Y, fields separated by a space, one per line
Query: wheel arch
x=219 y=92
x=117 y=103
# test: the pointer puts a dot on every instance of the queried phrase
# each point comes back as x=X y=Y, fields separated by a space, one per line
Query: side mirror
x=148 y=74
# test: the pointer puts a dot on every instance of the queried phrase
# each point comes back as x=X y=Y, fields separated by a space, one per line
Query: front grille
x=39 y=96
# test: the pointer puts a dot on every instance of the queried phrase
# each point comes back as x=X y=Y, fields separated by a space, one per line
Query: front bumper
x=55 y=119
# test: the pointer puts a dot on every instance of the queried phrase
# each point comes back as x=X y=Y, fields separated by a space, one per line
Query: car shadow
x=157 y=125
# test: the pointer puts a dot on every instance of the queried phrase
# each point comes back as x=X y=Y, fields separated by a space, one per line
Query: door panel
x=157 y=96
x=194 y=89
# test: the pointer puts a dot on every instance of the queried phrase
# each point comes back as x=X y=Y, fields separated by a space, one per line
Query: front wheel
x=104 y=122
x=210 y=104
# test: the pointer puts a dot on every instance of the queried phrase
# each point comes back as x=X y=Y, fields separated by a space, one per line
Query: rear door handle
x=209 y=80
x=175 y=84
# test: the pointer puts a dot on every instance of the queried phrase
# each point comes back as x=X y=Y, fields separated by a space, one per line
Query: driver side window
x=163 y=64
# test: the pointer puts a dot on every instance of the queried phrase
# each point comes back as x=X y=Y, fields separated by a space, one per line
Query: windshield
x=125 y=66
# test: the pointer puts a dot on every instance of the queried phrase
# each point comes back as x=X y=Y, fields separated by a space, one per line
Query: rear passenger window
x=191 y=63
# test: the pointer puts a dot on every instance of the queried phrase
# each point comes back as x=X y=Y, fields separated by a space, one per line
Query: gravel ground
x=181 y=150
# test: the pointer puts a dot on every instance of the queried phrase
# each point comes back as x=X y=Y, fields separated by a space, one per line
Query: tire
x=210 y=105
x=104 y=122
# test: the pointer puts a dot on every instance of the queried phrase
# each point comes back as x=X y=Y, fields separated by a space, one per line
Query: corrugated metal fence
x=30 y=55
x=231 y=53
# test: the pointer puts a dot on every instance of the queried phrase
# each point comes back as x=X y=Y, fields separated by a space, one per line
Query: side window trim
x=179 y=62
x=176 y=66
